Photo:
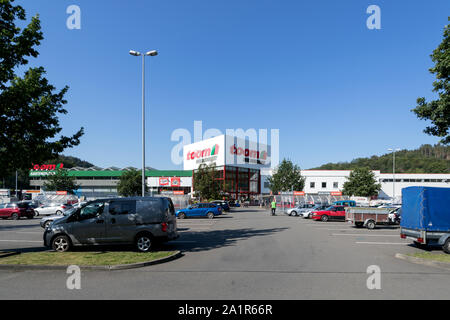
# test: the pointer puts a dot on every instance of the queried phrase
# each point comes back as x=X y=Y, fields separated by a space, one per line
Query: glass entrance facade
x=238 y=182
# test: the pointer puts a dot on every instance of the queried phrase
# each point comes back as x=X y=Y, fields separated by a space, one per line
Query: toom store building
x=238 y=163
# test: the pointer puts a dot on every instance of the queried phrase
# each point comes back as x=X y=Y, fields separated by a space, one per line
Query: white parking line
x=365 y=235
x=350 y=229
x=385 y=243
x=21 y=241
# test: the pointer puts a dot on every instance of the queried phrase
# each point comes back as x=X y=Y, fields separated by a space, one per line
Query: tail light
x=164 y=227
x=63 y=206
x=420 y=240
x=403 y=236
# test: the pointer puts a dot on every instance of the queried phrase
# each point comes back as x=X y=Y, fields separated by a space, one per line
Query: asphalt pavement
x=245 y=254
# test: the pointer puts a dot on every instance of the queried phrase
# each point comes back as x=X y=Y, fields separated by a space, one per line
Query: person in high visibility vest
x=274 y=206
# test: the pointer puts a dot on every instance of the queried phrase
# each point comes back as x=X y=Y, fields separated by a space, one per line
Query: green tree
x=206 y=185
x=60 y=181
x=438 y=111
x=130 y=183
x=286 y=178
x=361 y=182
x=29 y=105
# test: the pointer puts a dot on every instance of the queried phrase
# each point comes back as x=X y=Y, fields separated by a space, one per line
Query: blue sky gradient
x=335 y=89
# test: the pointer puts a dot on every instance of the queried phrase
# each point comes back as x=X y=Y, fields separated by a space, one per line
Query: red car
x=330 y=213
x=16 y=211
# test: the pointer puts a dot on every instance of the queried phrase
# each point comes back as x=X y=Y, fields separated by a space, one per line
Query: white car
x=51 y=209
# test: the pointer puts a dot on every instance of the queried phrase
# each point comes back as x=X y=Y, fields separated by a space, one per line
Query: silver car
x=298 y=209
x=51 y=209
x=139 y=220
x=46 y=221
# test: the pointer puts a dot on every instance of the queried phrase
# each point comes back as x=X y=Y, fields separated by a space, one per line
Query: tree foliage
x=29 y=105
x=426 y=159
x=286 y=178
x=438 y=111
x=205 y=184
x=361 y=182
x=130 y=183
x=60 y=181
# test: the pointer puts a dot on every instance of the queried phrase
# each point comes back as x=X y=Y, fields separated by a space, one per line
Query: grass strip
x=83 y=258
x=441 y=257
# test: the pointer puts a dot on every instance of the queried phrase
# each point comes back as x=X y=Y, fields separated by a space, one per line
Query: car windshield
x=69 y=211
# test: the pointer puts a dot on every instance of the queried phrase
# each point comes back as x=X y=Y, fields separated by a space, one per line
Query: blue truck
x=426 y=216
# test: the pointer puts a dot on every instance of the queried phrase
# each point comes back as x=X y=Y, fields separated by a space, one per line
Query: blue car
x=209 y=210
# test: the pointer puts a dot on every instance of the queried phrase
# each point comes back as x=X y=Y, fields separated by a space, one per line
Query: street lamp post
x=137 y=54
x=393 y=172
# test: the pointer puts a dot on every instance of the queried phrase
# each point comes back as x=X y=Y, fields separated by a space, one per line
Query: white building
x=332 y=181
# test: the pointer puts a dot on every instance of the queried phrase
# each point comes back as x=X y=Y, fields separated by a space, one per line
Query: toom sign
x=208 y=152
x=336 y=193
x=248 y=152
x=299 y=193
x=46 y=167
x=226 y=150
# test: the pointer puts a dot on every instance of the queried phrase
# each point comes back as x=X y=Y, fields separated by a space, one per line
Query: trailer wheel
x=370 y=225
x=446 y=246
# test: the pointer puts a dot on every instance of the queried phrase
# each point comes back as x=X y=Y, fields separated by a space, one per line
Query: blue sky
x=312 y=69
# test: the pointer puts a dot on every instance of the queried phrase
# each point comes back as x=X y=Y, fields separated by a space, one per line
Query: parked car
x=224 y=204
x=345 y=203
x=233 y=203
x=425 y=216
x=140 y=221
x=209 y=210
x=16 y=211
x=297 y=209
x=330 y=213
x=51 y=209
x=47 y=220
x=307 y=213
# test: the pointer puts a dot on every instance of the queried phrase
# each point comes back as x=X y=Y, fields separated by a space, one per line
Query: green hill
x=426 y=159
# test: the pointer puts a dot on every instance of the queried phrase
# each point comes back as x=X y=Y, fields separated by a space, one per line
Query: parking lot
x=245 y=254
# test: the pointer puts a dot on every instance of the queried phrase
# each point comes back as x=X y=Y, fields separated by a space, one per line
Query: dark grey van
x=139 y=220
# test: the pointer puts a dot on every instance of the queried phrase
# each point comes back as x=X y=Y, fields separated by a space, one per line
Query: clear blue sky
x=335 y=89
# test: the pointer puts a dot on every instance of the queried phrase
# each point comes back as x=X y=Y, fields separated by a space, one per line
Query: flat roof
x=118 y=173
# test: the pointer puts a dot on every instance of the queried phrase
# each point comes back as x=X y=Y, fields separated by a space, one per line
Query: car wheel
x=46 y=224
x=30 y=217
x=210 y=215
x=15 y=216
x=144 y=242
x=370 y=225
x=324 y=218
x=59 y=212
x=61 y=243
x=36 y=213
x=181 y=216
x=446 y=246
x=293 y=213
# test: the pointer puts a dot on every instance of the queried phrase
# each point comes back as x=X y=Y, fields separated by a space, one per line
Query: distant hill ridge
x=426 y=159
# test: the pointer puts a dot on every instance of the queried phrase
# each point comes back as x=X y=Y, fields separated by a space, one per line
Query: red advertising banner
x=175 y=181
x=299 y=193
x=61 y=193
x=178 y=192
x=164 y=181
x=336 y=193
